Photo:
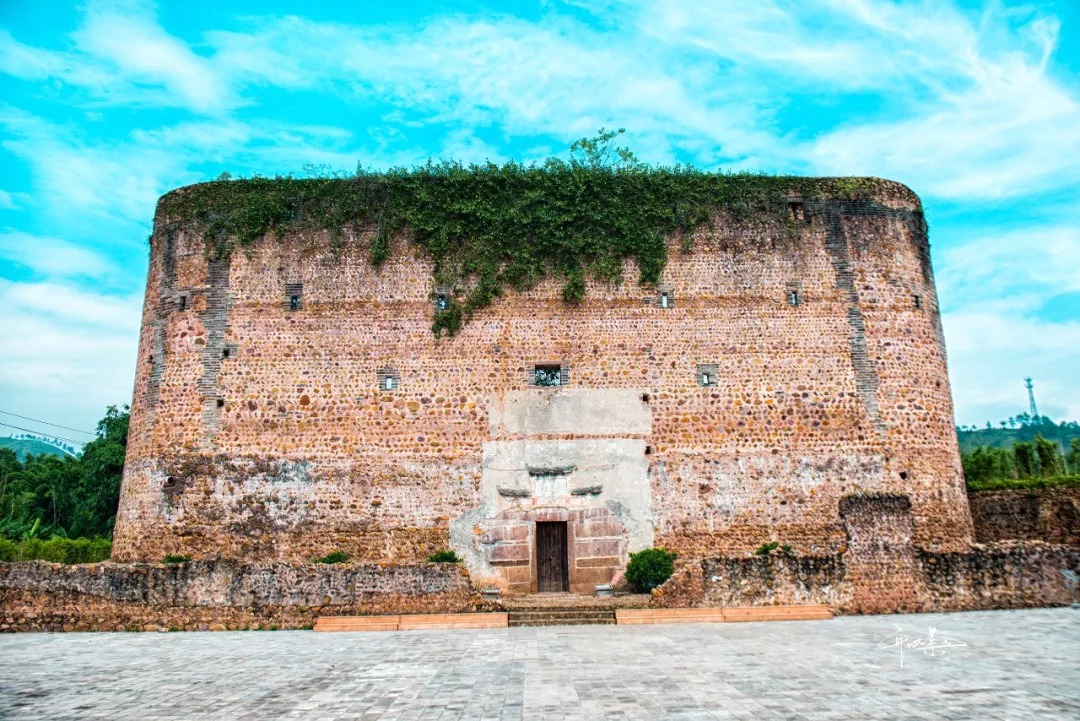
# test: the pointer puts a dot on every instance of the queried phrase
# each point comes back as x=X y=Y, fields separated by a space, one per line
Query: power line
x=57 y=425
x=59 y=438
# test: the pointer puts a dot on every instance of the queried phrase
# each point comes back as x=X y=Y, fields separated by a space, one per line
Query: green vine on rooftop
x=489 y=228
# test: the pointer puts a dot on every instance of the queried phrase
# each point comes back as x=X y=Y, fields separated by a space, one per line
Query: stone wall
x=880 y=571
x=1046 y=514
x=261 y=433
x=202 y=594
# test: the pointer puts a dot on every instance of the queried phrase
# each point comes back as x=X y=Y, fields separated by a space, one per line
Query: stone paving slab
x=1015 y=665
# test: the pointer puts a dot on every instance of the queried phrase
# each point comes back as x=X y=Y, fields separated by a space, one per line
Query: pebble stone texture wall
x=262 y=428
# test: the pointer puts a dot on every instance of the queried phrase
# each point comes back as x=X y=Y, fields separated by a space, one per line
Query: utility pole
x=1031 y=398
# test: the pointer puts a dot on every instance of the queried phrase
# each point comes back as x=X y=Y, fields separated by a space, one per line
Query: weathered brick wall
x=197 y=595
x=1046 y=514
x=287 y=448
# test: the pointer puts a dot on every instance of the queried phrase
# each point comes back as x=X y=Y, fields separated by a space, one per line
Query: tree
x=47 y=495
x=602 y=152
x=1025 y=458
x=1049 y=457
x=102 y=469
x=1073 y=459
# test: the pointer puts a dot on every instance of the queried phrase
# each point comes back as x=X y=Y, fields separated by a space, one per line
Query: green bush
x=30 y=549
x=650 y=568
x=335 y=557
x=9 y=550
x=175 y=558
x=444 y=556
x=766 y=548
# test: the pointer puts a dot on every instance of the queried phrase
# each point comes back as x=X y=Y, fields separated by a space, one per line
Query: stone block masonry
x=291 y=400
x=202 y=595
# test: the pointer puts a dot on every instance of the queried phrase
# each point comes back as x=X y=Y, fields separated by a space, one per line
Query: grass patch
x=335 y=557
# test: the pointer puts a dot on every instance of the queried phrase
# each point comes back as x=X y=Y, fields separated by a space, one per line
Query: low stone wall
x=1044 y=514
x=219 y=595
x=1006 y=575
x=880 y=570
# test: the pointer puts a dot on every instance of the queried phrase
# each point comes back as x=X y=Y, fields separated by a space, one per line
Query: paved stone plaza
x=1015 y=665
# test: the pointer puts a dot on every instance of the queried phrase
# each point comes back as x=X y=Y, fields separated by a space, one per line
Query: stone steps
x=532 y=623
x=561 y=616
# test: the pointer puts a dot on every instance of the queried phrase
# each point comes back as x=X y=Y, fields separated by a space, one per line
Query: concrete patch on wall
x=608 y=411
x=599 y=486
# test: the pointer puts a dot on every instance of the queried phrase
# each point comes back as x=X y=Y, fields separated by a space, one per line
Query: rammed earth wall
x=260 y=429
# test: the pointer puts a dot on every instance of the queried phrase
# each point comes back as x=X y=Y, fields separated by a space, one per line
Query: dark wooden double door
x=552 y=565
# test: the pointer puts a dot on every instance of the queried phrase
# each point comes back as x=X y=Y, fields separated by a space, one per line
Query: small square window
x=794 y=298
x=225 y=353
x=220 y=402
x=387 y=379
x=183 y=303
x=548 y=376
x=707 y=374
x=442 y=302
x=294 y=302
x=797 y=210
x=918 y=302
x=664 y=300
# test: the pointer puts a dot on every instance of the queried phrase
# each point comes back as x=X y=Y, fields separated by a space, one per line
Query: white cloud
x=7 y=201
x=122 y=56
x=52 y=256
x=996 y=289
x=68 y=352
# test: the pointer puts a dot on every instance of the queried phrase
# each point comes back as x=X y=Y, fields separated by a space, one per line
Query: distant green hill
x=24 y=447
x=1063 y=433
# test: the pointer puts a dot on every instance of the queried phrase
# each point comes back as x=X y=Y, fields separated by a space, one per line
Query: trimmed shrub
x=64 y=550
x=30 y=549
x=444 y=556
x=650 y=568
x=335 y=557
x=9 y=550
x=1009 y=484
x=175 y=558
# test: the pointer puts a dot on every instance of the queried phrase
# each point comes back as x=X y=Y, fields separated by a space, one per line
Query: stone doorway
x=552 y=566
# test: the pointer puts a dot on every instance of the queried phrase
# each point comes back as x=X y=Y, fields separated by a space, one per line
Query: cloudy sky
x=973 y=103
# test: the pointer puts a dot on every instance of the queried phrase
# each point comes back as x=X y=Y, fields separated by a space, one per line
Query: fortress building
x=291 y=398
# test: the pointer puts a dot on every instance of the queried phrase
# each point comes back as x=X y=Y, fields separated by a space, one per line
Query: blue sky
x=106 y=105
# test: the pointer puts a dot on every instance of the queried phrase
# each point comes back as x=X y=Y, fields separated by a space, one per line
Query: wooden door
x=551 y=561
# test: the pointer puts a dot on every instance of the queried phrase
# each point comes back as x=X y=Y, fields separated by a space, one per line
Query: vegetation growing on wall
x=489 y=227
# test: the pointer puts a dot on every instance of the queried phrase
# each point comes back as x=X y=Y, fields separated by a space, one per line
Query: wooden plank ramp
x=646 y=616
x=357 y=623
x=411 y=622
